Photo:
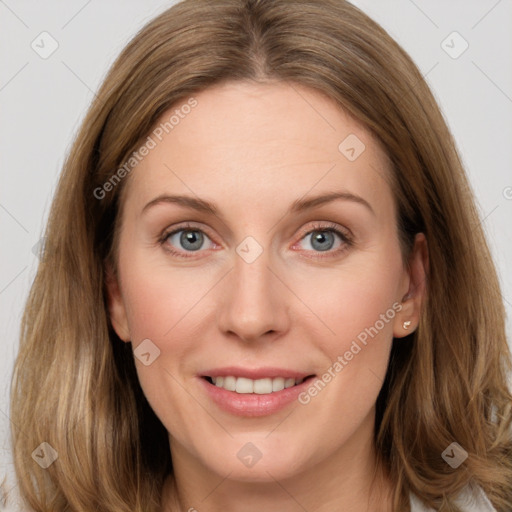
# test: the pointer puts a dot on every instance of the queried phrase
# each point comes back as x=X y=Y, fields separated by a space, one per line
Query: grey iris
x=321 y=237
x=195 y=238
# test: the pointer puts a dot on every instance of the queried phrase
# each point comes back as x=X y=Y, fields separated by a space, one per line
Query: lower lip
x=252 y=404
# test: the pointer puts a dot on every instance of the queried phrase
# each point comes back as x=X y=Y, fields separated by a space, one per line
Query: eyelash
x=329 y=228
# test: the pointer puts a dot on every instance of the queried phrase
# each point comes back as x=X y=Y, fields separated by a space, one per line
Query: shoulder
x=471 y=499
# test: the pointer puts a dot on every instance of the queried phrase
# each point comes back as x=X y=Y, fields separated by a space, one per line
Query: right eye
x=185 y=238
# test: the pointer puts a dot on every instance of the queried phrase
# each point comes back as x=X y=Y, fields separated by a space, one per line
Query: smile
x=251 y=393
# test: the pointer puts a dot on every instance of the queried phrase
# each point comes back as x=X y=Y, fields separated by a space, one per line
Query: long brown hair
x=75 y=385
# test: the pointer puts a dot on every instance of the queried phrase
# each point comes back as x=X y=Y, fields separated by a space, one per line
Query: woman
x=255 y=369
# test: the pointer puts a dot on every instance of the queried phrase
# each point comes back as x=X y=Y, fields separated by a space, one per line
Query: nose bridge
x=253 y=302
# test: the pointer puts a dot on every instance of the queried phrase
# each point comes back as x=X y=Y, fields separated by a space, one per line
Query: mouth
x=267 y=393
x=264 y=386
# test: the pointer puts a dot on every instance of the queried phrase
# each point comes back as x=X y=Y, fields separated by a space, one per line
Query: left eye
x=323 y=239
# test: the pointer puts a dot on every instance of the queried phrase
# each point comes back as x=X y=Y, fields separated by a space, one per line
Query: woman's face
x=265 y=285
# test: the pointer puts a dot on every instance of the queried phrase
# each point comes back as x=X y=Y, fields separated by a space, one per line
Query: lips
x=254 y=392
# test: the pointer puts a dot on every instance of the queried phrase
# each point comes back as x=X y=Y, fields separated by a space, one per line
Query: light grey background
x=42 y=102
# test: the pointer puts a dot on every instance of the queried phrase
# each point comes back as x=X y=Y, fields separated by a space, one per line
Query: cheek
x=164 y=305
x=167 y=306
x=358 y=302
x=358 y=311
x=357 y=315
x=160 y=300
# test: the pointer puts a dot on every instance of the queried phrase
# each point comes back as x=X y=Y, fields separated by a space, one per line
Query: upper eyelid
x=187 y=227
x=327 y=226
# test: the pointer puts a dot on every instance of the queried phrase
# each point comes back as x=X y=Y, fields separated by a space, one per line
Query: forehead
x=254 y=142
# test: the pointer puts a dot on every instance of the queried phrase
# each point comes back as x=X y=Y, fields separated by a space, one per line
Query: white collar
x=471 y=499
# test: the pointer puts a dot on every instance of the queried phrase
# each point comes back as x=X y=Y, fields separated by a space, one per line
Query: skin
x=253 y=149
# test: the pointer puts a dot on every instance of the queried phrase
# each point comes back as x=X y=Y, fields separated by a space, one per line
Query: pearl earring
x=407 y=324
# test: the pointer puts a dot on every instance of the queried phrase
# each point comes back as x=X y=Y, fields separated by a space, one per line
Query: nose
x=254 y=303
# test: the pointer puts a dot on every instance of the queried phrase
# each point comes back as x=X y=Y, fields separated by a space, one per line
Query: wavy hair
x=75 y=386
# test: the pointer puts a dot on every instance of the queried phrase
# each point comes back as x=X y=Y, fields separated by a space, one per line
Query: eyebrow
x=297 y=206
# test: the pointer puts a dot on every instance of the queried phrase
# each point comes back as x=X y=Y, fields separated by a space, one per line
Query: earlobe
x=412 y=301
x=116 y=307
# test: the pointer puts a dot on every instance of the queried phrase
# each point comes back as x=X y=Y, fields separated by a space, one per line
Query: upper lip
x=255 y=373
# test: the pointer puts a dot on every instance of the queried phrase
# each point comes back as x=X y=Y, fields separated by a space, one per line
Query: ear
x=414 y=289
x=116 y=307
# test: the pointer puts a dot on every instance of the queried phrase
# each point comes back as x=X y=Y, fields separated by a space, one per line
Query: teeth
x=277 y=384
x=244 y=385
x=260 y=386
x=229 y=383
x=289 y=382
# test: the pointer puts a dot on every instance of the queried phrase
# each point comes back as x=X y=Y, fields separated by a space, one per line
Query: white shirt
x=470 y=500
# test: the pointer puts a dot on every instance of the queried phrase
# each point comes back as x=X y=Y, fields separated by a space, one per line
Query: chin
x=259 y=461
